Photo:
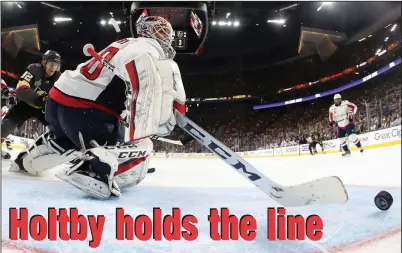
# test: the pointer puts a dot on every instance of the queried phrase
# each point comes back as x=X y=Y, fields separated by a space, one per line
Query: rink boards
x=377 y=139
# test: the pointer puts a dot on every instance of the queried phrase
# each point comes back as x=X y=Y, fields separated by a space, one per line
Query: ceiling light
x=386 y=39
x=18 y=5
x=227 y=14
x=382 y=52
x=103 y=22
x=224 y=23
x=324 y=4
x=62 y=19
x=277 y=21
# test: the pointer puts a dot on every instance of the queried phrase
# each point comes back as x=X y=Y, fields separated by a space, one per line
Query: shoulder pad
x=57 y=74
x=155 y=45
x=35 y=68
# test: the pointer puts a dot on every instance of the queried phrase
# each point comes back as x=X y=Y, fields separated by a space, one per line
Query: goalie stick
x=327 y=190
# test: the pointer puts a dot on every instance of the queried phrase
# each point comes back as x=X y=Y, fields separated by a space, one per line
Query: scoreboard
x=180 y=40
x=188 y=19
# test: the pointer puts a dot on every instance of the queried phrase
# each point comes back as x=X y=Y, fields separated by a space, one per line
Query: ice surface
x=197 y=185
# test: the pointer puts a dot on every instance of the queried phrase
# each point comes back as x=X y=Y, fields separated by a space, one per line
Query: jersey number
x=109 y=52
x=27 y=76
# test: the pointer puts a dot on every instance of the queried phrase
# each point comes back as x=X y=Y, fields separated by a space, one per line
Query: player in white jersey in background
x=116 y=118
x=341 y=114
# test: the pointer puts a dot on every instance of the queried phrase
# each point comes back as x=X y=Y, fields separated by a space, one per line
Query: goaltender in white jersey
x=341 y=114
x=101 y=124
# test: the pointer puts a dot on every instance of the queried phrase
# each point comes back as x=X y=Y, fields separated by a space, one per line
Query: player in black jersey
x=314 y=140
x=32 y=92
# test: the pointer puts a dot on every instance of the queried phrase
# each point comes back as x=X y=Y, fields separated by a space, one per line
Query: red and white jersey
x=4 y=111
x=154 y=81
x=3 y=84
x=339 y=114
x=92 y=85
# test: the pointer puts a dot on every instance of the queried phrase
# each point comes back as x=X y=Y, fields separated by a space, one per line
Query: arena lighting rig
x=332 y=91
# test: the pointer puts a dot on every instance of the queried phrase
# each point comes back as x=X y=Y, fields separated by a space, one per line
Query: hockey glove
x=350 y=116
x=41 y=101
x=166 y=128
x=12 y=100
x=4 y=93
x=44 y=99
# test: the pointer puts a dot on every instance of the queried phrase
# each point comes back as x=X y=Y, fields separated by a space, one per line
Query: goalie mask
x=159 y=29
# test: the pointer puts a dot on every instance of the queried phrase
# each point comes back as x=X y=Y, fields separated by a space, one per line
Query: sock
x=345 y=147
x=358 y=144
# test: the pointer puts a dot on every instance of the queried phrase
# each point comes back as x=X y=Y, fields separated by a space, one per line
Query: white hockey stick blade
x=328 y=190
x=158 y=138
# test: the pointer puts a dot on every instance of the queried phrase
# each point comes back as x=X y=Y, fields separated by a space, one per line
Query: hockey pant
x=17 y=115
x=312 y=146
x=351 y=133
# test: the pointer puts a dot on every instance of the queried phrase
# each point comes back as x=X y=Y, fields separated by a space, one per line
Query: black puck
x=383 y=200
x=151 y=170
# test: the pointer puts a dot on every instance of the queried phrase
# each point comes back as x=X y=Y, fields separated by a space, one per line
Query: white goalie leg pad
x=133 y=163
x=42 y=155
x=80 y=177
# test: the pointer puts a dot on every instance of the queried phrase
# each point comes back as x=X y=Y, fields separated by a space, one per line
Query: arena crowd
x=241 y=128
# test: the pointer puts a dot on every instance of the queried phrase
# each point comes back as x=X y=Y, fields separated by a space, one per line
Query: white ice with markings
x=196 y=185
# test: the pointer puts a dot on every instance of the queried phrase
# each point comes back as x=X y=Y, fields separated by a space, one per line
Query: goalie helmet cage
x=201 y=8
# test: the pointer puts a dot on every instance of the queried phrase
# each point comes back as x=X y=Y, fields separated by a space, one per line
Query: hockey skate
x=80 y=174
x=17 y=166
x=8 y=144
x=346 y=154
x=5 y=155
